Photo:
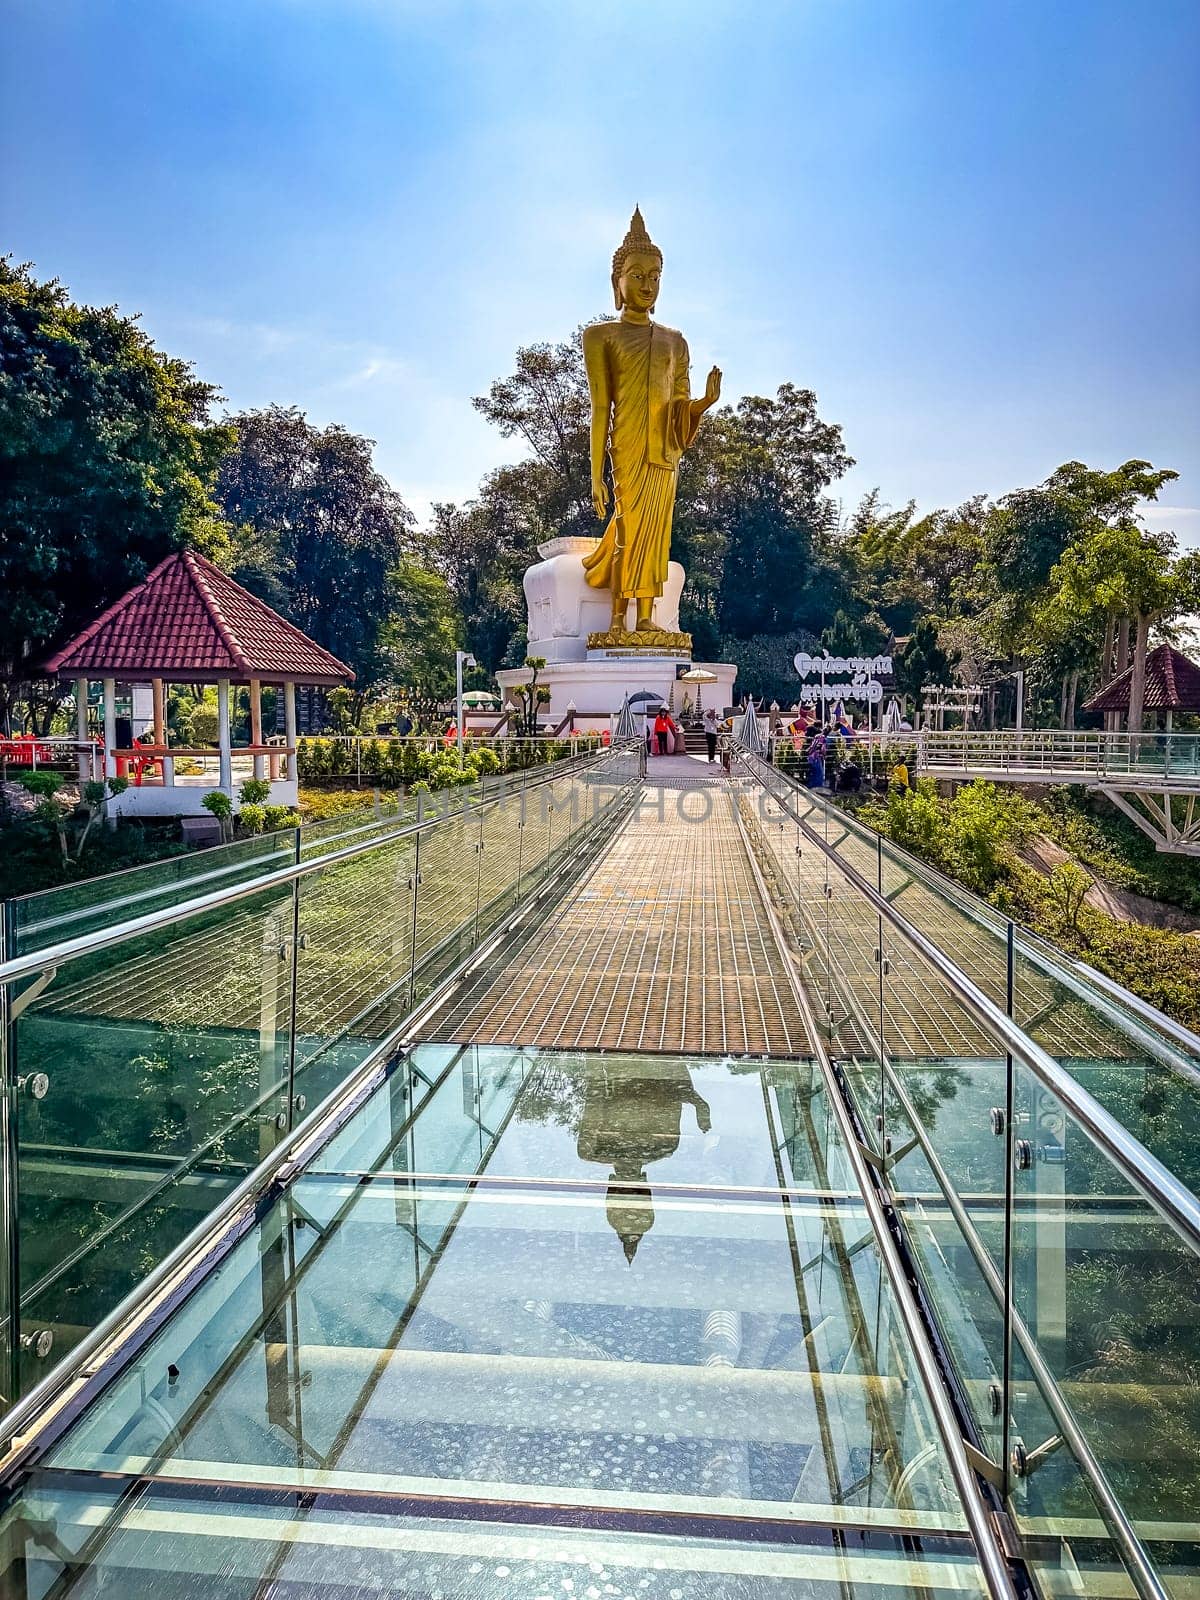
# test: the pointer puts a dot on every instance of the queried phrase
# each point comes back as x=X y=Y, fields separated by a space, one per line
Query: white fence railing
x=1039 y=755
x=1053 y=752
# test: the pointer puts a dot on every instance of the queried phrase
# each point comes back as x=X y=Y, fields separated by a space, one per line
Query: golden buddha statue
x=644 y=416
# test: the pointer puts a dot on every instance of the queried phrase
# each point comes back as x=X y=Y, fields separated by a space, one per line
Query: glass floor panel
x=526 y=1113
x=160 y=1545
x=639 y=1326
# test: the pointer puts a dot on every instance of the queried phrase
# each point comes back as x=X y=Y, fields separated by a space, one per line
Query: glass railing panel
x=378 y=815
x=537 y=834
x=54 y=915
x=153 y=1075
x=948 y=1180
x=1149 y=1083
x=354 y=968
x=501 y=840
x=447 y=890
x=1106 y=1296
x=1113 y=1050
x=975 y=938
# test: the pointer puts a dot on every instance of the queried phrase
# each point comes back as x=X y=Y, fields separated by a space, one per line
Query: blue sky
x=973 y=227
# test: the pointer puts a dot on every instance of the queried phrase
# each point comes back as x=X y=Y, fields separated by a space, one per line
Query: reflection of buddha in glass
x=629 y=1120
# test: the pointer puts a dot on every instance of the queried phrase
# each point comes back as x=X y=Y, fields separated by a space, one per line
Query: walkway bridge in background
x=614 y=1184
x=1154 y=778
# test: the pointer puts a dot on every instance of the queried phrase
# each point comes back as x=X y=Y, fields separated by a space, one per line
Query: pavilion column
x=81 y=732
x=110 y=727
x=156 y=716
x=158 y=690
x=223 y=737
x=256 y=724
x=289 y=725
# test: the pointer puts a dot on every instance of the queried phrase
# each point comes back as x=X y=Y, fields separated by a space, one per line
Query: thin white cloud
x=374 y=368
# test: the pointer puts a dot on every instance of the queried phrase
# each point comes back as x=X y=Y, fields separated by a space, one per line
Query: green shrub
x=219 y=803
x=914 y=819
x=275 y=817
x=255 y=791
x=373 y=759
x=41 y=784
x=252 y=818
x=203 y=728
x=313 y=758
x=985 y=827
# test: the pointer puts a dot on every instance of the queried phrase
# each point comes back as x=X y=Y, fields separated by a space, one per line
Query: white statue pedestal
x=564 y=609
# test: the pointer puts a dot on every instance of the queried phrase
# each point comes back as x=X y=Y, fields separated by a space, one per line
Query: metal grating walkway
x=664 y=946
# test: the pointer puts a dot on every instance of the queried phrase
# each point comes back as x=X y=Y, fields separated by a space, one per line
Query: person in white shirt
x=711 y=723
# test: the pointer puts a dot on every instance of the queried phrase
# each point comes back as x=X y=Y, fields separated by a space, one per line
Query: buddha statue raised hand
x=644 y=415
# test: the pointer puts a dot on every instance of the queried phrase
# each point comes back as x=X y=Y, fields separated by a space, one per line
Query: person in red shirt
x=663 y=729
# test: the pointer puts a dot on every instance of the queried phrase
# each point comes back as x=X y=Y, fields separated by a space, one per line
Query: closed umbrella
x=625 y=728
x=747 y=731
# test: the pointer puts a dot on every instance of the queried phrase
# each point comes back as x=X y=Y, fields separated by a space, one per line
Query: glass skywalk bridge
x=711 y=1272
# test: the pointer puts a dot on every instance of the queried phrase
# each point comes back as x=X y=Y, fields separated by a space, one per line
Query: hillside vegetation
x=978 y=837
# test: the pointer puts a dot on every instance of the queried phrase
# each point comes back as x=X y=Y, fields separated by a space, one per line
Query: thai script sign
x=853 y=677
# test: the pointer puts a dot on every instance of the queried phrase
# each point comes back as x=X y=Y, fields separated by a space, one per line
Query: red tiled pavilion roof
x=1172 y=684
x=188 y=621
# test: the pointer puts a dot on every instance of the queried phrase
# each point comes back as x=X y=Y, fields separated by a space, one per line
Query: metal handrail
x=544 y=772
x=82 y=1370
x=1122 y=1529
x=1170 y=1197
x=68 y=950
x=991 y=1558
x=1072 y=976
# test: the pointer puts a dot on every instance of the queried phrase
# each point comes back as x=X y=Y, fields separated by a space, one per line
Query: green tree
x=1113 y=571
x=1046 y=548
x=924 y=660
x=843 y=636
x=319 y=531
x=546 y=402
x=756 y=493
x=481 y=551
x=108 y=457
x=420 y=637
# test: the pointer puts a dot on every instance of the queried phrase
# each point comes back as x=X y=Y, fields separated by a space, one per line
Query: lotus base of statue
x=634 y=639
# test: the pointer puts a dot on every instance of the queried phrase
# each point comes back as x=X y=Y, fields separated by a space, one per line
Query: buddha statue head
x=630 y=1207
x=636 y=268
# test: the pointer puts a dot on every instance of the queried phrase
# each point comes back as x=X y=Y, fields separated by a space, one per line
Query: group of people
x=665 y=737
x=819 y=755
x=816 y=742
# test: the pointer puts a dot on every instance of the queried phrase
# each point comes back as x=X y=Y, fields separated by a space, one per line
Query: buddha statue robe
x=638 y=376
